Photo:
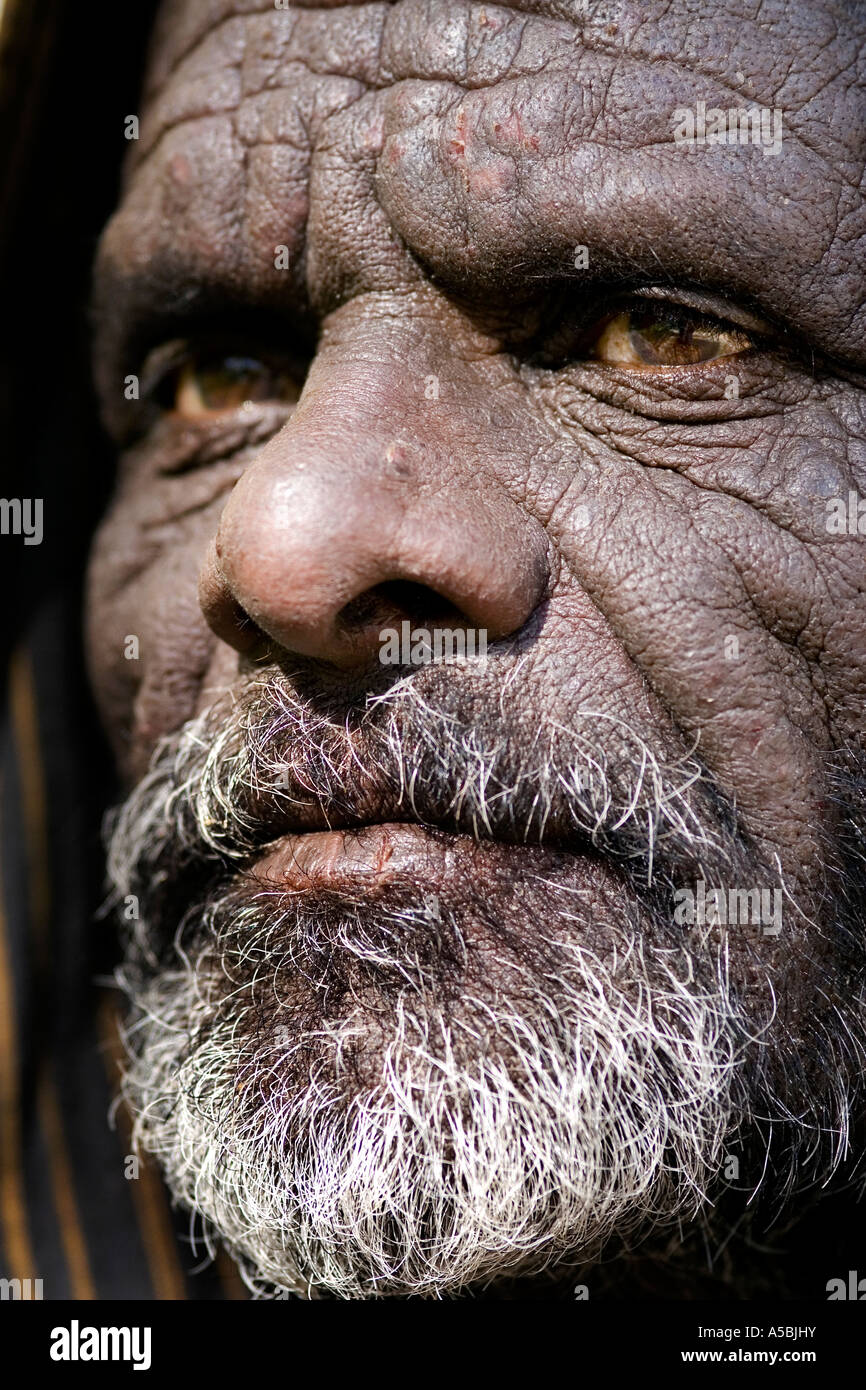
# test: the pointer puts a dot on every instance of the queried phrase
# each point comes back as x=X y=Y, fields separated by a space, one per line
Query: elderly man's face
x=494 y=319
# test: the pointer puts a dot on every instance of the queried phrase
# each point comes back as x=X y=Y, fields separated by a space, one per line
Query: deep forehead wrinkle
x=240 y=47
x=672 y=29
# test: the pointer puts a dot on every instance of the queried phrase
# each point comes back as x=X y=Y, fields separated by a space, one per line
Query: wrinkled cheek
x=148 y=647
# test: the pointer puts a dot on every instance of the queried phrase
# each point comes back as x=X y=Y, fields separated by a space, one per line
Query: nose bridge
x=375 y=481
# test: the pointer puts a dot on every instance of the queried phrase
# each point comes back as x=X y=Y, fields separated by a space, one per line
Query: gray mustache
x=265 y=762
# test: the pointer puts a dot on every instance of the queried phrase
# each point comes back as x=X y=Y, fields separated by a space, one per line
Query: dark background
x=69 y=74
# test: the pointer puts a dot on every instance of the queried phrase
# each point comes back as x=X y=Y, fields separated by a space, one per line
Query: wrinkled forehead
x=496 y=136
x=789 y=48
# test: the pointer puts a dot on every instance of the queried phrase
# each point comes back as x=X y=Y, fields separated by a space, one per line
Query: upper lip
x=380 y=808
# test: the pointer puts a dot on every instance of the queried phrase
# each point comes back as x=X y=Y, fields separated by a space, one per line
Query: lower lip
x=371 y=854
x=368 y=858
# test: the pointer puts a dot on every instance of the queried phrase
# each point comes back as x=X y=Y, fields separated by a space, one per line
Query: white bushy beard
x=481 y=1140
x=358 y=1100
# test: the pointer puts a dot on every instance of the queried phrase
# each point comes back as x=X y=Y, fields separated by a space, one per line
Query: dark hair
x=69 y=74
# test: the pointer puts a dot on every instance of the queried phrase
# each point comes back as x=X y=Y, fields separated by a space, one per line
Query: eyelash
x=160 y=378
x=583 y=325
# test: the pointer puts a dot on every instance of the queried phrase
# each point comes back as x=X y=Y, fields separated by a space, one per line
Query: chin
x=364 y=1098
x=400 y=1057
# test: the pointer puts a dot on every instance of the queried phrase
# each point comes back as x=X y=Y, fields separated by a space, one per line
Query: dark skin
x=451 y=409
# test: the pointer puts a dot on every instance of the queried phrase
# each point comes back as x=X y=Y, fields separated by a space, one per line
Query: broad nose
x=347 y=523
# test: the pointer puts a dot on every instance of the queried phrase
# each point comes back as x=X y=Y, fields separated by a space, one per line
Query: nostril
x=418 y=602
x=398 y=599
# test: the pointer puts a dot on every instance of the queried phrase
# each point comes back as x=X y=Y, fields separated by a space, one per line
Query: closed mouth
x=368 y=857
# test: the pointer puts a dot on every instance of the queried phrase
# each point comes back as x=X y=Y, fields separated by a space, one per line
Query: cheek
x=149 y=648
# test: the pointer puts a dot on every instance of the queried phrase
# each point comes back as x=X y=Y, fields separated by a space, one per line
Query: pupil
x=668 y=341
x=234 y=379
x=241 y=366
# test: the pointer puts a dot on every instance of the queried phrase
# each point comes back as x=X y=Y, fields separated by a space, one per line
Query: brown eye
x=207 y=387
x=657 y=336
